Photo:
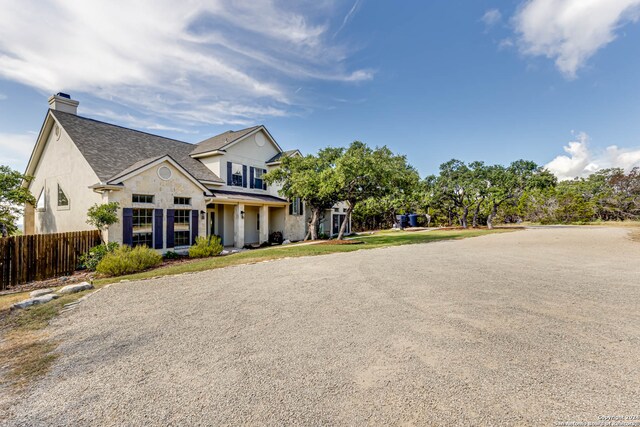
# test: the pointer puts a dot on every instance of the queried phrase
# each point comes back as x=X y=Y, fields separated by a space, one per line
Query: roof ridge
x=121 y=127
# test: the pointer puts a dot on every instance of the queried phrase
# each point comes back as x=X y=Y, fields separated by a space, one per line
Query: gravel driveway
x=527 y=328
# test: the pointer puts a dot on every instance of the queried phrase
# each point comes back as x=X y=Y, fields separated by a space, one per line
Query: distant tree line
x=378 y=185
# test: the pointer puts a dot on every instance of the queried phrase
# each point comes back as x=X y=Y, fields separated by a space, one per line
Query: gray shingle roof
x=112 y=149
x=278 y=156
x=240 y=195
x=220 y=141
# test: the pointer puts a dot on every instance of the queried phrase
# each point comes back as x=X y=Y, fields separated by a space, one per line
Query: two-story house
x=169 y=191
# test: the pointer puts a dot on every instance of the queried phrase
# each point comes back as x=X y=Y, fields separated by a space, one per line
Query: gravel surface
x=527 y=328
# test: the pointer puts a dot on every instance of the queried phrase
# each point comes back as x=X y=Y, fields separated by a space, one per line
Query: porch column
x=264 y=224
x=238 y=226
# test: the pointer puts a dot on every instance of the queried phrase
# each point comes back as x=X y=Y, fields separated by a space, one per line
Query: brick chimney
x=63 y=102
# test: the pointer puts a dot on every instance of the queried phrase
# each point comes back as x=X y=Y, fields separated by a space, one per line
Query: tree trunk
x=312 y=232
x=343 y=227
x=465 y=214
x=494 y=212
x=474 y=222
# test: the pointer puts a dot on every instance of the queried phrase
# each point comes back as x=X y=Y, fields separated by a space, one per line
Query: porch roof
x=239 y=196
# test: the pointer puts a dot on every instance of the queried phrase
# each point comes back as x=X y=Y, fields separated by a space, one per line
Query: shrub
x=276 y=237
x=91 y=259
x=125 y=260
x=206 y=247
x=172 y=255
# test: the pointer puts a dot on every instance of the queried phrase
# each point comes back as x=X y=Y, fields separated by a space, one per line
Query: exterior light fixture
x=242 y=214
x=201 y=214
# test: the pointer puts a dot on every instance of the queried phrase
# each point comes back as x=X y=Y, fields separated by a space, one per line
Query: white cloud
x=3 y=96
x=16 y=149
x=571 y=31
x=211 y=61
x=581 y=161
x=491 y=17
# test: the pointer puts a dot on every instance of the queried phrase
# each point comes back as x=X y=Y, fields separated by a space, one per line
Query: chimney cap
x=63 y=95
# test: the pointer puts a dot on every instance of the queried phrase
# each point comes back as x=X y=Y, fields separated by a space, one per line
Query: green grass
x=370 y=242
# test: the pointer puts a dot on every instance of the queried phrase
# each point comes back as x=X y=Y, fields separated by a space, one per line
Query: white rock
x=33 y=301
x=40 y=292
x=286 y=242
x=72 y=289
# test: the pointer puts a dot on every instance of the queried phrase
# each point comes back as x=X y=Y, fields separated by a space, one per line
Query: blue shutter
x=170 y=219
x=157 y=229
x=300 y=211
x=251 y=177
x=264 y=183
x=244 y=176
x=194 y=225
x=229 y=173
x=291 y=207
x=127 y=226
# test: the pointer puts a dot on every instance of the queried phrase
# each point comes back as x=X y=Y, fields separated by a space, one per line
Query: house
x=169 y=191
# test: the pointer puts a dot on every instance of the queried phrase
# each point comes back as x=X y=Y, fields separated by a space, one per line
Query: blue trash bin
x=413 y=220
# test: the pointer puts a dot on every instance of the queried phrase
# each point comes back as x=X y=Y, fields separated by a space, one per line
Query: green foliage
x=125 y=260
x=172 y=255
x=103 y=216
x=13 y=197
x=206 y=247
x=91 y=259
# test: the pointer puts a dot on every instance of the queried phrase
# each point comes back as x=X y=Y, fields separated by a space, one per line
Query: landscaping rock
x=72 y=289
x=33 y=301
x=286 y=242
x=40 y=292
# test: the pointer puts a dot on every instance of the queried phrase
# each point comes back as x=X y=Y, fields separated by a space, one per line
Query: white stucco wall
x=148 y=182
x=251 y=232
x=62 y=163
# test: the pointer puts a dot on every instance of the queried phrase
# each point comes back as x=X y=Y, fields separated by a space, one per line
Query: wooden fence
x=42 y=256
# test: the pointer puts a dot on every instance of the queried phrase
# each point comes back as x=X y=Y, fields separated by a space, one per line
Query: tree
x=312 y=179
x=103 y=216
x=461 y=185
x=13 y=196
x=363 y=173
x=510 y=183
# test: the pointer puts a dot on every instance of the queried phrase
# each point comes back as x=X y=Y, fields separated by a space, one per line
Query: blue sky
x=554 y=81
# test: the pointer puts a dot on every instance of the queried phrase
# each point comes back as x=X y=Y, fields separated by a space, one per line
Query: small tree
x=13 y=197
x=103 y=216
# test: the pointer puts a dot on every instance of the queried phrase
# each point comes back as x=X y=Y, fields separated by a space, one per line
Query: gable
x=258 y=146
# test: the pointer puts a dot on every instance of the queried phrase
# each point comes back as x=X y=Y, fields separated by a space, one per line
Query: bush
x=172 y=255
x=125 y=260
x=276 y=237
x=206 y=247
x=92 y=258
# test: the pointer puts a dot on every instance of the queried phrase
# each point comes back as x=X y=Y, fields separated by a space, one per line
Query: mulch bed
x=342 y=242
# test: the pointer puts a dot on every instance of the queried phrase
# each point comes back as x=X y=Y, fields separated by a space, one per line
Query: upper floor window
x=182 y=201
x=142 y=198
x=257 y=178
x=63 y=200
x=236 y=179
x=40 y=204
x=295 y=208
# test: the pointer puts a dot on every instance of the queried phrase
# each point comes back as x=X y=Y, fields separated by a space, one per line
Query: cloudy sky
x=554 y=81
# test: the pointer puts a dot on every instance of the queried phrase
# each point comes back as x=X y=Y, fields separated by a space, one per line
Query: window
x=63 y=201
x=296 y=206
x=40 y=204
x=182 y=227
x=257 y=178
x=182 y=201
x=142 y=198
x=236 y=175
x=143 y=227
x=336 y=209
